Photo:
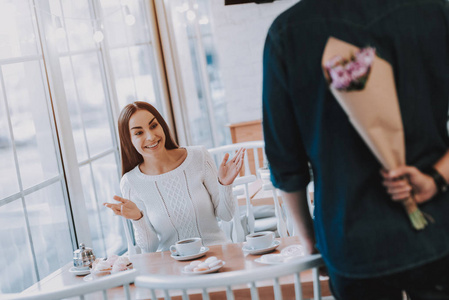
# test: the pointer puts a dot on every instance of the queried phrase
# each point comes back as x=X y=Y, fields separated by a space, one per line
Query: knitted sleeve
x=221 y=195
x=144 y=233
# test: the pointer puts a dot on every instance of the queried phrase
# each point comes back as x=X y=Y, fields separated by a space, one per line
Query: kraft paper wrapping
x=373 y=111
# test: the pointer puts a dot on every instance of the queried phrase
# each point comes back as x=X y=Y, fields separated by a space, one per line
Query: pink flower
x=366 y=56
x=357 y=70
x=334 y=61
x=341 y=78
x=350 y=74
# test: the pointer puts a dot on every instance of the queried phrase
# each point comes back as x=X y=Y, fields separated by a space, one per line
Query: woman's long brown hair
x=129 y=155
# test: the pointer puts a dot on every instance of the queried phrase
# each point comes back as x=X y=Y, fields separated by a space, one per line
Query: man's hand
x=406 y=181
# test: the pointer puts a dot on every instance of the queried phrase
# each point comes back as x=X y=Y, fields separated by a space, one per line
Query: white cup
x=260 y=240
x=187 y=247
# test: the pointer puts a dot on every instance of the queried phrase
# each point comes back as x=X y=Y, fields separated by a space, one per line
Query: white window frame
x=62 y=116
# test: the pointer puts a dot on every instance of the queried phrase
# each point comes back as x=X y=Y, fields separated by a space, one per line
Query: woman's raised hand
x=125 y=208
x=229 y=170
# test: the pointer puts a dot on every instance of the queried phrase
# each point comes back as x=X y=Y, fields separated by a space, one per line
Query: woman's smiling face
x=146 y=133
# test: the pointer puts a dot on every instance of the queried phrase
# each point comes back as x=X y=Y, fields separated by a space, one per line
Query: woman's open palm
x=229 y=170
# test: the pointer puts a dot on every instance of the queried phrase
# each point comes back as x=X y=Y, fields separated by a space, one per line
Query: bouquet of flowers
x=350 y=74
x=363 y=85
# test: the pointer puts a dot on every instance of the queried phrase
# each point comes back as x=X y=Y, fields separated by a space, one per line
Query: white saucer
x=261 y=261
x=79 y=272
x=248 y=250
x=88 y=277
x=192 y=256
x=214 y=269
x=98 y=275
x=283 y=257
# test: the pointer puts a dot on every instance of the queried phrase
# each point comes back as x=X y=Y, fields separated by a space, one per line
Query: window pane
x=79 y=28
x=194 y=93
x=50 y=230
x=83 y=80
x=74 y=108
x=140 y=56
x=199 y=114
x=106 y=228
x=92 y=207
x=27 y=101
x=93 y=103
x=124 y=78
x=133 y=79
x=216 y=89
x=201 y=82
x=17 y=35
x=58 y=33
x=120 y=28
x=17 y=272
x=8 y=178
x=106 y=176
x=73 y=25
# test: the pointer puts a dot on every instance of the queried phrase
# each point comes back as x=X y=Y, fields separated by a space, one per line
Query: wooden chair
x=224 y=282
x=100 y=285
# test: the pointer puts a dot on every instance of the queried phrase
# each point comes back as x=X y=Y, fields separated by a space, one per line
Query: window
x=198 y=68
x=35 y=225
x=66 y=70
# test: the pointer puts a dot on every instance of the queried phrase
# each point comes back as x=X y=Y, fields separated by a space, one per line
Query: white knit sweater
x=179 y=204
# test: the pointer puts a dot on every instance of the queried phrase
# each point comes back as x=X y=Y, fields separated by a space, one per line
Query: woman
x=170 y=193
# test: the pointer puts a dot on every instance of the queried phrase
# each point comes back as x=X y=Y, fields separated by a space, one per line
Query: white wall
x=239 y=33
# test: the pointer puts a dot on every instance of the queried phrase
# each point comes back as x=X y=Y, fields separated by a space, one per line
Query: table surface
x=163 y=263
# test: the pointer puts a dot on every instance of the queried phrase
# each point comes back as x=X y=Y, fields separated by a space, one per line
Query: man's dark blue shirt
x=360 y=231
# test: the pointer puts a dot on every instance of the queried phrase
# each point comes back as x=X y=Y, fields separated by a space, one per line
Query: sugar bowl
x=83 y=257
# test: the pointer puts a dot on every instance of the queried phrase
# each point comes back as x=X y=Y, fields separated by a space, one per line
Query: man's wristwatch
x=440 y=182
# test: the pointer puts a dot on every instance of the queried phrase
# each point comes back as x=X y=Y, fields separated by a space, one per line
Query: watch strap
x=440 y=182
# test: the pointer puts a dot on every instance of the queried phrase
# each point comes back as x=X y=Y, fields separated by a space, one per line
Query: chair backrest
x=169 y=285
x=254 y=159
x=102 y=284
x=128 y=228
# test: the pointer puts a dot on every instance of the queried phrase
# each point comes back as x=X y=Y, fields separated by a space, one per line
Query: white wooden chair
x=128 y=228
x=284 y=222
x=234 y=229
x=251 y=147
x=171 y=285
x=100 y=285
